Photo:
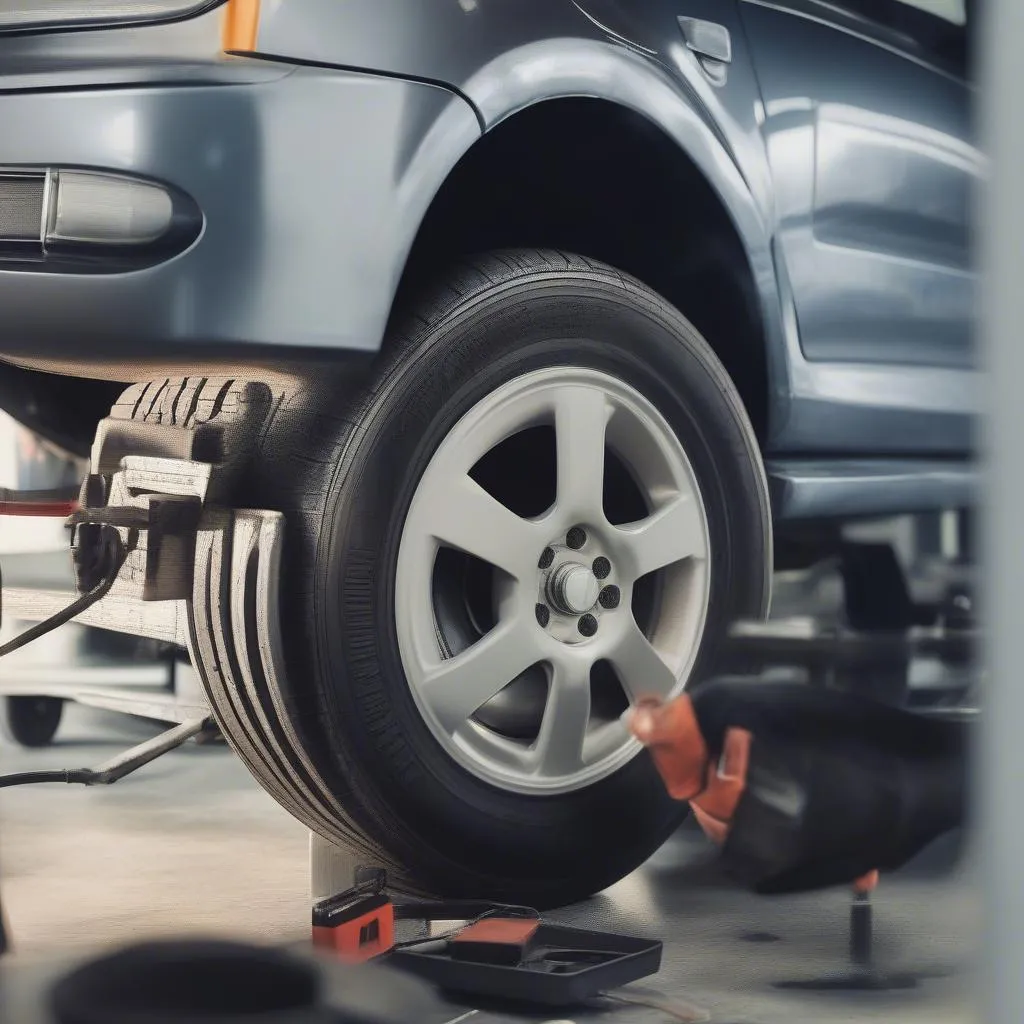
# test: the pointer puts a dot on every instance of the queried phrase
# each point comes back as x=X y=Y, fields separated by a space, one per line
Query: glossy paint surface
x=305 y=230
x=847 y=166
x=874 y=169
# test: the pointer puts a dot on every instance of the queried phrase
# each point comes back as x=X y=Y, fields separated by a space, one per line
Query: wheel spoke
x=640 y=667
x=464 y=516
x=510 y=754
x=457 y=687
x=581 y=422
x=673 y=533
x=559 y=746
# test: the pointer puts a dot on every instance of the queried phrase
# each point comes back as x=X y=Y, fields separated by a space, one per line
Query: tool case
x=491 y=950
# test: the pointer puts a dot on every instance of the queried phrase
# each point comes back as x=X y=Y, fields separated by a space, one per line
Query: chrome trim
x=44 y=216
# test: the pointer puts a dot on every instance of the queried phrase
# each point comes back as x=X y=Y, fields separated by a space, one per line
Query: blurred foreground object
x=202 y=981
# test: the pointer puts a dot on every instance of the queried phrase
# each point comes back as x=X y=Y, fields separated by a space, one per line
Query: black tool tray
x=566 y=966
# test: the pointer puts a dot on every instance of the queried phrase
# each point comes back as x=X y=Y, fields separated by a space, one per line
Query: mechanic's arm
x=806 y=788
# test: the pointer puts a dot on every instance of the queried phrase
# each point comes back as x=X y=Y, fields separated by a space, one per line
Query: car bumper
x=310 y=184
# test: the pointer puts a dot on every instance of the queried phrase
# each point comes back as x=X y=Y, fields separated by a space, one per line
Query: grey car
x=544 y=323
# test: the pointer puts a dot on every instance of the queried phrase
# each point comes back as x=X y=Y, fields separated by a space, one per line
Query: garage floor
x=190 y=844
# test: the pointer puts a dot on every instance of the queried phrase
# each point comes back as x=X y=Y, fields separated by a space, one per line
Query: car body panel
x=875 y=167
x=844 y=379
x=273 y=266
x=315 y=161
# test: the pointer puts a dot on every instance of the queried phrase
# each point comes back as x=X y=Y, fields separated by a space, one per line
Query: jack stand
x=863 y=976
x=334 y=868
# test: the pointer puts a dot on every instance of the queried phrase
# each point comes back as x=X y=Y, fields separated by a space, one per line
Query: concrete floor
x=191 y=845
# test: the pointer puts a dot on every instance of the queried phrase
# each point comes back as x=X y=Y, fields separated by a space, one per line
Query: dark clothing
x=837 y=785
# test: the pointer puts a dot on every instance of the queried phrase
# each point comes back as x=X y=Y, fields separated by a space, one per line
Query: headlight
x=36 y=15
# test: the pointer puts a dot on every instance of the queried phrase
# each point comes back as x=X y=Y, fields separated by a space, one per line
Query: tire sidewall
x=501 y=334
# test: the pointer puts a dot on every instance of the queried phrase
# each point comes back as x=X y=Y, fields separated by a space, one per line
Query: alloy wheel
x=553 y=567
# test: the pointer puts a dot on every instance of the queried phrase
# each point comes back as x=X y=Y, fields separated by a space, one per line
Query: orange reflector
x=241 y=25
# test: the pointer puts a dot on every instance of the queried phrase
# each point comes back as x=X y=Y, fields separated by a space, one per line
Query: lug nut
x=610 y=597
x=547 y=556
x=576 y=538
x=602 y=568
x=543 y=615
x=588 y=625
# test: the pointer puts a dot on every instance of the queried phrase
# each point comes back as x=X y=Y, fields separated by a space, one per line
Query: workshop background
x=192 y=845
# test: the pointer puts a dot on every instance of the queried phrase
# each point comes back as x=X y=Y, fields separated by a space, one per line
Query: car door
x=867 y=119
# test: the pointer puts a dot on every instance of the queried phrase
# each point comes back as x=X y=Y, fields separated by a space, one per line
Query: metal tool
x=112 y=551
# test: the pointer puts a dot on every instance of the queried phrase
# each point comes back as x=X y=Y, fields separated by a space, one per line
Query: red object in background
x=672 y=735
x=715 y=806
x=58 y=504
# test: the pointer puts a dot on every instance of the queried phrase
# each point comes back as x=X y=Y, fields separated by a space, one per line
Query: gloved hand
x=805 y=788
x=673 y=736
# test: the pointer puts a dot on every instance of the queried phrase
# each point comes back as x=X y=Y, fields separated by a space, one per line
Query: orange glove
x=672 y=734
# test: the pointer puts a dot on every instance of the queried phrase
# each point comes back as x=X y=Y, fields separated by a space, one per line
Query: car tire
x=347 y=468
x=32 y=721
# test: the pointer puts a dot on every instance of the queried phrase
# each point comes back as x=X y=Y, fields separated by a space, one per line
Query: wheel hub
x=576 y=586
x=573 y=588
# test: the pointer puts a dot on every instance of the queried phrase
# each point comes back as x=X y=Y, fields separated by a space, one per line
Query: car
x=546 y=325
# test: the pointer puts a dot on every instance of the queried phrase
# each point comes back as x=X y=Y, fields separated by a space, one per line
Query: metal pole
x=1001 y=823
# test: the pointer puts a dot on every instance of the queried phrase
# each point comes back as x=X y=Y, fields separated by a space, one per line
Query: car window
x=936 y=30
x=949 y=10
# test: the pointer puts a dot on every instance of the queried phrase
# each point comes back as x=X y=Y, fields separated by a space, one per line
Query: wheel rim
x=580 y=609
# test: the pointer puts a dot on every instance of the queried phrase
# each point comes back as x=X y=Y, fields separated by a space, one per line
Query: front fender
x=506 y=55
x=312 y=186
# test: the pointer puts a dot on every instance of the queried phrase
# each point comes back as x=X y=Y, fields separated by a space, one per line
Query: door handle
x=707 y=39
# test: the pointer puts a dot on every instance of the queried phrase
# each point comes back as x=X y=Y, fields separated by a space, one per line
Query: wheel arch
x=588 y=174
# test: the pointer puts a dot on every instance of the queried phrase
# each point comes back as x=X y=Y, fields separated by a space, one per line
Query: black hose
x=68 y=775
x=118 y=556
x=118 y=553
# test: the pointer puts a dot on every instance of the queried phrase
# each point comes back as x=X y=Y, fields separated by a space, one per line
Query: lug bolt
x=588 y=625
x=610 y=597
x=602 y=568
x=576 y=538
x=547 y=556
x=543 y=615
